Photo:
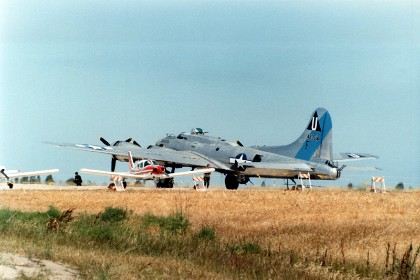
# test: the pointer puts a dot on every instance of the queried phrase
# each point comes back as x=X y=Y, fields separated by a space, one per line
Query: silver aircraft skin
x=10 y=174
x=311 y=153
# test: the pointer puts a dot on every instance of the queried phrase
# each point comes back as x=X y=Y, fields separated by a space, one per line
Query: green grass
x=118 y=232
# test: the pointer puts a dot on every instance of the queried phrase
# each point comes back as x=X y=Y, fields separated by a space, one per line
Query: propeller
x=132 y=141
x=104 y=141
x=4 y=174
x=114 y=158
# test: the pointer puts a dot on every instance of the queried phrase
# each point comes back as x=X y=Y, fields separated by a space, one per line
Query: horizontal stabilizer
x=363 y=168
x=342 y=157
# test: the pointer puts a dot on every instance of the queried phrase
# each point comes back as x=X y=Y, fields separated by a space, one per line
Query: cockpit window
x=154 y=162
x=146 y=163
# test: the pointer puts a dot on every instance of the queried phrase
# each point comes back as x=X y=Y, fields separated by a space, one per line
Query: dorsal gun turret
x=198 y=131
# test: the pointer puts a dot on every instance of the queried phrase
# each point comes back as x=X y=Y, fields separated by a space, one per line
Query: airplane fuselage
x=239 y=160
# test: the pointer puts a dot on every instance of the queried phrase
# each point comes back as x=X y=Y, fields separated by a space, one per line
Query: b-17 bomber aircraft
x=311 y=153
x=146 y=169
x=10 y=174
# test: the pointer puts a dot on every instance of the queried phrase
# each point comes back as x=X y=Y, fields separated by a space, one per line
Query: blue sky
x=72 y=71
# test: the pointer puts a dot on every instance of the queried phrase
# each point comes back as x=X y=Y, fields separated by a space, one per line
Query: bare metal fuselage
x=259 y=163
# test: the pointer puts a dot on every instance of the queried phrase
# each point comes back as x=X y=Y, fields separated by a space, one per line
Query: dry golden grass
x=350 y=225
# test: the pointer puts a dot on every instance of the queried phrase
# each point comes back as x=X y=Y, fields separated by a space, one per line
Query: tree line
x=49 y=180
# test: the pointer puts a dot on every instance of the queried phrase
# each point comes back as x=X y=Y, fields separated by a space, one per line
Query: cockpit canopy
x=142 y=164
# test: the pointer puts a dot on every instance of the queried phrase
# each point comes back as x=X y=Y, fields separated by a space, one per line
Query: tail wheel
x=231 y=182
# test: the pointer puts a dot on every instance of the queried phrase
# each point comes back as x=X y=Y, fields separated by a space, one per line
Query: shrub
x=206 y=233
x=53 y=212
x=399 y=186
x=246 y=248
x=102 y=233
x=113 y=215
x=175 y=223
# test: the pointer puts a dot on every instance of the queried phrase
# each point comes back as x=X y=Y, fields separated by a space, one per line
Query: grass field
x=312 y=234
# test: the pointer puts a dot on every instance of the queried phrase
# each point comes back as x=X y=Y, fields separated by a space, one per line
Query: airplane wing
x=185 y=173
x=160 y=154
x=127 y=175
x=28 y=174
x=346 y=157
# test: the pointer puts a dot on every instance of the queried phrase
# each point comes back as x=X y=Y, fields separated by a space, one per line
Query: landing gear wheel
x=231 y=182
x=165 y=183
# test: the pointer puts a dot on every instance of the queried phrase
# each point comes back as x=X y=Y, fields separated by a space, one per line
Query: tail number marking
x=314 y=125
x=313 y=137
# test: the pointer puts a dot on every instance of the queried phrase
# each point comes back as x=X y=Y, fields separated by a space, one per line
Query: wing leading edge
x=168 y=156
x=126 y=175
x=28 y=174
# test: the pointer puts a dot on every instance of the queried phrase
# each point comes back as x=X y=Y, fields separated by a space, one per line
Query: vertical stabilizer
x=316 y=140
x=130 y=160
x=314 y=143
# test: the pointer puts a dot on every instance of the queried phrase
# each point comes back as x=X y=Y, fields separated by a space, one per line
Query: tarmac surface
x=20 y=267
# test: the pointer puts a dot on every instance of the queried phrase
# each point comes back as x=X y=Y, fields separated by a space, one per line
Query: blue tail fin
x=315 y=141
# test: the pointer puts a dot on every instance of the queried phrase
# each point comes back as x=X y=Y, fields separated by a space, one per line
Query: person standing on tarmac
x=207 y=178
x=77 y=179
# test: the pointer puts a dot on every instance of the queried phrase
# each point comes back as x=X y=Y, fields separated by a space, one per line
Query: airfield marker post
x=118 y=183
x=381 y=180
x=305 y=176
x=197 y=179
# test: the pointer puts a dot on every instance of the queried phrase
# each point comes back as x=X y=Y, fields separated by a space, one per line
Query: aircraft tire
x=231 y=182
x=167 y=183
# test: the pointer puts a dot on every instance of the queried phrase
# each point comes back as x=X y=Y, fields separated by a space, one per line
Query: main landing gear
x=231 y=182
x=165 y=183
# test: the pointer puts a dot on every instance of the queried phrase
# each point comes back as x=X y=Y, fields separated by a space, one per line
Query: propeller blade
x=113 y=163
x=135 y=143
x=132 y=141
x=104 y=141
x=4 y=174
